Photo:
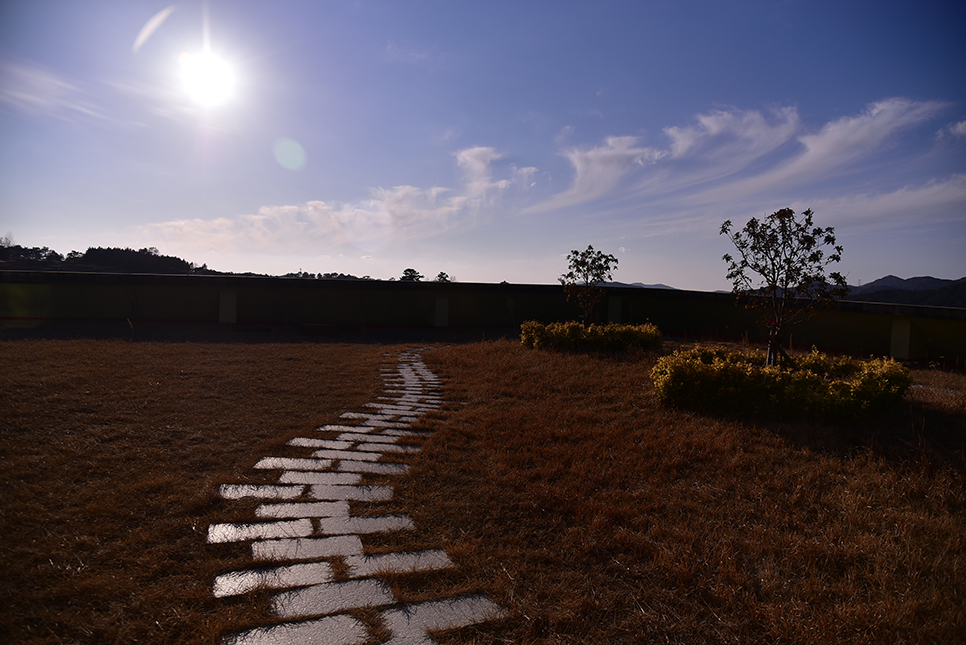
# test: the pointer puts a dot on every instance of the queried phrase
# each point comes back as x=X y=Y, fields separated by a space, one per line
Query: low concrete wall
x=902 y=331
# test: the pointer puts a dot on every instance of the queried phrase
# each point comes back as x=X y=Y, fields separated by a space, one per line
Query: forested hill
x=95 y=259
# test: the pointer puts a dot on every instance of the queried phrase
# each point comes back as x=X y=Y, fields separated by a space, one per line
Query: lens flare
x=289 y=154
x=207 y=79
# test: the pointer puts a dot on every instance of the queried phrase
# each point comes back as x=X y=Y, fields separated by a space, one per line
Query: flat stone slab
x=341 y=428
x=239 y=491
x=303 y=509
x=360 y=525
x=372 y=467
x=410 y=623
x=308 y=442
x=365 y=415
x=307 y=548
x=372 y=438
x=218 y=533
x=293 y=575
x=391 y=408
x=301 y=477
x=355 y=493
x=401 y=432
x=385 y=447
x=361 y=566
x=331 y=630
x=346 y=454
x=332 y=597
x=289 y=463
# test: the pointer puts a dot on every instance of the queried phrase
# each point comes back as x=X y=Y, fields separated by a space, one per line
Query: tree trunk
x=774 y=347
x=776 y=353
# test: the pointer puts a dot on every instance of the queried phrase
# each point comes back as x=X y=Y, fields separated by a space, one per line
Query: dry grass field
x=557 y=482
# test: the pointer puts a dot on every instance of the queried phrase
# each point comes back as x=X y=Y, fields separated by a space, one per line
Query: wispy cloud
x=401 y=54
x=33 y=90
x=736 y=136
x=955 y=130
x=599 y=170
x=150 y=27
x=565 y=133
x=851 y=138
x=936 y=201
x=736 y=156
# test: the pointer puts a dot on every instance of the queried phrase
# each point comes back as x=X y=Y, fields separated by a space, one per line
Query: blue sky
x=487 y=139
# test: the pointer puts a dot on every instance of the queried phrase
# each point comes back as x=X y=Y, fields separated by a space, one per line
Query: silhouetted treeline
x=95 y=259
x=325 y=276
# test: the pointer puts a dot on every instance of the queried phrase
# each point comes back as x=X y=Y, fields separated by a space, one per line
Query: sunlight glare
x=207 y=79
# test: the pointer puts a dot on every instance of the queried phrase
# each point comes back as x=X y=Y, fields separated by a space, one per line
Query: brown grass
x=571 y=496
x=558 y=483
x=111 y=452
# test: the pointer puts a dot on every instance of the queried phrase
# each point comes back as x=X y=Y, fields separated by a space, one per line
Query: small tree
x=411 y=275
x=442 y=277
x=788 y=257
x=582 y=282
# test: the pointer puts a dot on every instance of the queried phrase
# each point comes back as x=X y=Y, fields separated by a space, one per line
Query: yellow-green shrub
x=574 y=336
x=716 y=380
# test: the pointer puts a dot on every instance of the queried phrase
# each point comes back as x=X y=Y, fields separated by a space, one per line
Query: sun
x=207 y=79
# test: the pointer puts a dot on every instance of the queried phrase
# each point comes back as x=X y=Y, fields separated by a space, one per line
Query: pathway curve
x=305 y=533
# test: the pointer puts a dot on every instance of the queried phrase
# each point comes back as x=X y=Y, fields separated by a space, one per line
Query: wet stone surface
x=313 y=534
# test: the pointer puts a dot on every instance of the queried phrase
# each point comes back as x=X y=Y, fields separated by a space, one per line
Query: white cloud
x=388 y=215
x=476 y=161
x=524 y=176
x=311 y=226
x=481 y=189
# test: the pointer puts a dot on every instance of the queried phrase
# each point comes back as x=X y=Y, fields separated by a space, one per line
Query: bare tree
x=582 y=282
x=788 y=256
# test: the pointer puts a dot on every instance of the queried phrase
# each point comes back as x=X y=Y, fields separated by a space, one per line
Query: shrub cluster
x=713 y=379
x=574 y=336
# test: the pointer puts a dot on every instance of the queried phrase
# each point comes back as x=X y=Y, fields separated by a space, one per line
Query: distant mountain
x=925 y=290
x=921 y=283
x=639 y=285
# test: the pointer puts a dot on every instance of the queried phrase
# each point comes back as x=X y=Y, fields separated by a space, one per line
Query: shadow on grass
x=908 y=435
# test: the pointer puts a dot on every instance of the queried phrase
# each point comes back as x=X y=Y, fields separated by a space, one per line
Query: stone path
x=303 y=528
